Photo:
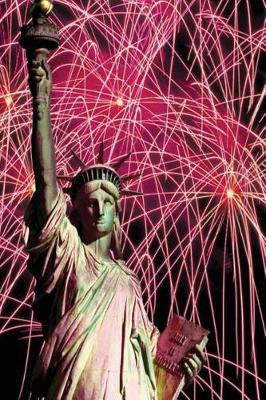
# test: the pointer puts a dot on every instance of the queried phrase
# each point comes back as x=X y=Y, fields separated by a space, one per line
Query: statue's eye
x=107 y=202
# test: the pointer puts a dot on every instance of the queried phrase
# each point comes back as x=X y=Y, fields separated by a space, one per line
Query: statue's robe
x=99 y=343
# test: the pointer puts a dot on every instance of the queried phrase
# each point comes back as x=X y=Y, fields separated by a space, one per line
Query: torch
x=40 y=36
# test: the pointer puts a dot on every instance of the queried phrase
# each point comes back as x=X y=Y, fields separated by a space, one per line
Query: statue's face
x=97 y=212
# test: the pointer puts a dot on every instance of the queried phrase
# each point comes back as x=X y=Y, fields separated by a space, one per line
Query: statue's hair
x=95 y=174
x=90 y=187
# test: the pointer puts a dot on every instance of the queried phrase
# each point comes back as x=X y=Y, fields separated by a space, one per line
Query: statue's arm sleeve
x=54 y=248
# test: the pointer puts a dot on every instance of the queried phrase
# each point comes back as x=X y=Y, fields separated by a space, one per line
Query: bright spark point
x=230 y=193
x=8 y=100
x=119 y=102
x=33 y=188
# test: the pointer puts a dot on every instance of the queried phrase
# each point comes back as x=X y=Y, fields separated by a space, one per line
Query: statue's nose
x=100 y=207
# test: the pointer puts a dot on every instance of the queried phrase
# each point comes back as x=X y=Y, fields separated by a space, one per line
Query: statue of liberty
x=98 y=341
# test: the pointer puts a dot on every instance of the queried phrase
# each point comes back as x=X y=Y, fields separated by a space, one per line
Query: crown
x=100 y=172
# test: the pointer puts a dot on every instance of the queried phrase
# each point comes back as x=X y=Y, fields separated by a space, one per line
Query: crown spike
x=125 y=192
x=81 y=163
x=134 y=175
x=101 y=154
x=117 y=164
x=66 y=178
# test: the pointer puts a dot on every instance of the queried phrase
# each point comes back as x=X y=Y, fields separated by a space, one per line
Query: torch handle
x=37 y=54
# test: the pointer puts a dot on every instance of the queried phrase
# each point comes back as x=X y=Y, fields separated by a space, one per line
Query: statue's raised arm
x=38 y=38
x=43 y=151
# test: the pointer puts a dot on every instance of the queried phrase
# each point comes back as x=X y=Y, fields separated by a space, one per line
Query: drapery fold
x=99 y=343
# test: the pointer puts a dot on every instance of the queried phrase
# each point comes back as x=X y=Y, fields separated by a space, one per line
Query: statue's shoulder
x=123 y=266
x=127 y=271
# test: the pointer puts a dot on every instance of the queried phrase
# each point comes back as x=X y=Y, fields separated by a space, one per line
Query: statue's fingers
x=34 y=63
x=200 y=353
x=40 y=72
x=46 y=68
x=188 y=370
x=197 y=360
x=35 y=79
x=192 y=364
x=37 y=72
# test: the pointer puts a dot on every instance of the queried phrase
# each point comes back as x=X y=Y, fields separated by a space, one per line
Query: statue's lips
x=100 y=221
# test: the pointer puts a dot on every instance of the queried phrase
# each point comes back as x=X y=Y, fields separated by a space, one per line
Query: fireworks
x=177 y=84
x=119 y=102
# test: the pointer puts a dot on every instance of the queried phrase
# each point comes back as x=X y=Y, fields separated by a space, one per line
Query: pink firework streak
x=179 y=85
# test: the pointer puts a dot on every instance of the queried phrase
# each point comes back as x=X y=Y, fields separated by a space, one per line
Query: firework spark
x=177 y=84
